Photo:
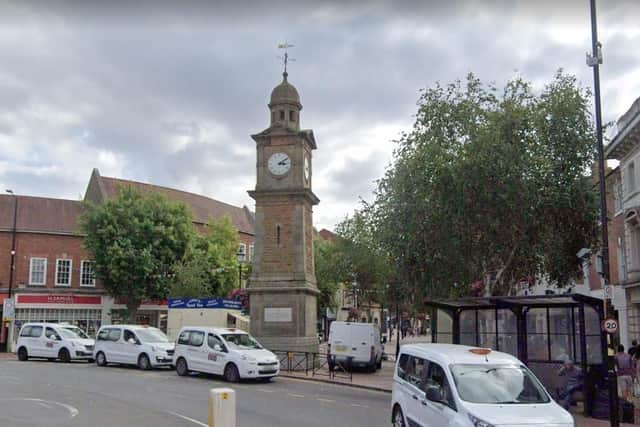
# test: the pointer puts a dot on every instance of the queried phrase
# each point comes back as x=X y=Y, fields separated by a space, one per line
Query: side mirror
x=217 y=347
x=131 y=341
x=434 y=394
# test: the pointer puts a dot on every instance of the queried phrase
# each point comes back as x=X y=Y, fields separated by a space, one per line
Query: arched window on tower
x=281 y=114
x=292 y=116
x=278 y=234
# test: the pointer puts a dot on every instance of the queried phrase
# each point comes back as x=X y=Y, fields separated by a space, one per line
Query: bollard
x=222 y=407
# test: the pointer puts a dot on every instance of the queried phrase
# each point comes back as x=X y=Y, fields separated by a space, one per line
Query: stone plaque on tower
x=282 y=287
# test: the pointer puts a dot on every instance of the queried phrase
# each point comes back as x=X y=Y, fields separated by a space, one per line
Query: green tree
x=135 y=241
x=328 y=274
x=489 y=186
x=210 y=264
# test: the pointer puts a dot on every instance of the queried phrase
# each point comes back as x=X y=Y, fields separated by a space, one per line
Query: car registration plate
x=342 y=348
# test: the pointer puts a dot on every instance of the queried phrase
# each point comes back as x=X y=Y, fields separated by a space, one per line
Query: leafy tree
x=328 y=274
x=489 y=186
x=210 y=264
x=135 y=241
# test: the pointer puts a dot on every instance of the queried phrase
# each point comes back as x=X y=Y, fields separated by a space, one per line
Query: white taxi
x=54 y=341
x=231 y=353
x=446 y=385
x=139 y=345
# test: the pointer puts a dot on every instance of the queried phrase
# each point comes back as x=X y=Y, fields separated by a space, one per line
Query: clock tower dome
x=282 y=287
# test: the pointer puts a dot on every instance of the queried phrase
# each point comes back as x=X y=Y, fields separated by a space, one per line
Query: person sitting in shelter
x=574 y=383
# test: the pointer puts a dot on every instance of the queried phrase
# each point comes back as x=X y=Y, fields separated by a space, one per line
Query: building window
x=631 y=178
x=63 y=272
x=242 y=251
x=87 y=277
x=292 y=116
x=38 y=271
x=252 y=252
x=281 y=114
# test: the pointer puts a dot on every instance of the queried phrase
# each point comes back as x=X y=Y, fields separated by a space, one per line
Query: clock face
x=279 y=163
x=307 y=169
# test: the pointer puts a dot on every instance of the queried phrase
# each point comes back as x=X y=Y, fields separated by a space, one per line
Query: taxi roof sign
x=480 y=351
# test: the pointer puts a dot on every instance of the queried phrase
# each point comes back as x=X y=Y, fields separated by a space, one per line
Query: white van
x=440 y=385
x=231 y=353
x=54 y=341
x=139 y=345
x=360 y=341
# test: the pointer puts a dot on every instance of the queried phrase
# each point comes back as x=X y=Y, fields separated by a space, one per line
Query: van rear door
x=361 y=342
x=340 y=339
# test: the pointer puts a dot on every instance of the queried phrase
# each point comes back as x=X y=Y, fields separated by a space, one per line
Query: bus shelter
x=542 y=331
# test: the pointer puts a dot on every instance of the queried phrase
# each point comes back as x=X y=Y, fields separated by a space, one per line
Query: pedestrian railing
x=296 y=363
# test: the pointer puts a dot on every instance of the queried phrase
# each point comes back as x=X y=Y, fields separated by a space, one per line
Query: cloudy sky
x=169 y=94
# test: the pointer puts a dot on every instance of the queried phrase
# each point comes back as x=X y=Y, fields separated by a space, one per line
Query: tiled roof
x=202 y=208
x=327 y=235
x=40 y=214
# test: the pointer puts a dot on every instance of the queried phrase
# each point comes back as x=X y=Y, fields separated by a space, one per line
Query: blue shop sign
x=205 y=303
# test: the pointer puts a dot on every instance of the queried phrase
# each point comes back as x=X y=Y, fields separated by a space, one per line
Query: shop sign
x=204 y=303
x=59 y=299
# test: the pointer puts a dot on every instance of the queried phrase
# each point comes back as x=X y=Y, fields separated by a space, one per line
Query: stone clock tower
x=282 y=287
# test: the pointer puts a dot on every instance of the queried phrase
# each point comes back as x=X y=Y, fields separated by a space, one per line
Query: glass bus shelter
x=542 y=331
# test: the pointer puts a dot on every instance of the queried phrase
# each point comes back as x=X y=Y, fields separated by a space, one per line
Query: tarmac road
x=42 y=393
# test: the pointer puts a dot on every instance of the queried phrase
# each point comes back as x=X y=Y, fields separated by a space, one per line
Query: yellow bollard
x=222 y=407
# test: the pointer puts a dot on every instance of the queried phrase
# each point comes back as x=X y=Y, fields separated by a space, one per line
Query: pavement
x=52 y=394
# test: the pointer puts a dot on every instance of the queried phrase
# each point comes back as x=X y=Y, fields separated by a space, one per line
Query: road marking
x=73 y=412
x=264 y=390
x=357 y=405
x=175 y=414
x=295 y=395
x=325 y=400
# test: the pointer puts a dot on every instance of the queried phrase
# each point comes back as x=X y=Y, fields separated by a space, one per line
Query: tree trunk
x=132 y=309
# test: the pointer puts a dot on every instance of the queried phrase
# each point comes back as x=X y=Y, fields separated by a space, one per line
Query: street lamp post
x=594 y=60
x=12 y=265
x=240 y=256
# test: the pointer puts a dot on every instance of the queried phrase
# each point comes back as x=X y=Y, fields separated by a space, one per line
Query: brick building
x=53 y=272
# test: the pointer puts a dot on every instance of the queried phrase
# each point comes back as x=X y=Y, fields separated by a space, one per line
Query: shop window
x=38 y=271
x=63 y=272
x=87 y=276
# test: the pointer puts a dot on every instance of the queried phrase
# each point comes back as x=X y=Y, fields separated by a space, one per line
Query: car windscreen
x=241 y=341
x=497 y=384
x=151 y=335
x=72 y=332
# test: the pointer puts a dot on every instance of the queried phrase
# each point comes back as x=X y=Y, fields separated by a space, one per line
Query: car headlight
x=477 y=422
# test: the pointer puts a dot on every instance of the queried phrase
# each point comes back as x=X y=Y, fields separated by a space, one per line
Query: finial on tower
x=285 y=59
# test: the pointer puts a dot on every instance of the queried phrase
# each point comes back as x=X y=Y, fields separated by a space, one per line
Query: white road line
x=357 y=405
x=326 y=400
x=175 y=414
x=264 y=390
x=73 y=412
x=295 y=395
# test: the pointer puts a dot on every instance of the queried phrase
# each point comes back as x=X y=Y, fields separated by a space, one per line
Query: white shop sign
x=280 y=314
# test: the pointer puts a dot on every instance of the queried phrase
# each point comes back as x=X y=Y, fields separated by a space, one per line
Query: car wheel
x=101 y=360
x=64 y=355
x=182 y=368
x=398 y=418
x=379 y=364
x=22 y=354
x=231 y=373
x=144 y=363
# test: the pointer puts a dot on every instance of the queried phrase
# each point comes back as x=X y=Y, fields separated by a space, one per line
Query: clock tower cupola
x=285 y=105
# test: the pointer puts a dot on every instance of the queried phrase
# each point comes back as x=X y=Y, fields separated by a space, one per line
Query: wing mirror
x=132 y=341
x=434 y=394
x=217 y=347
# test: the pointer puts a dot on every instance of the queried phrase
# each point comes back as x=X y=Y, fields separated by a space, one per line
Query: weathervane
x=285 y=59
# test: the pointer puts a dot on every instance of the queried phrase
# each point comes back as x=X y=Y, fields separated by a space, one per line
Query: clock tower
x=282 y=287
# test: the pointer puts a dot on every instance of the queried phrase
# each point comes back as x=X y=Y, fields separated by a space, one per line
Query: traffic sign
x=8 y=309
x=610 y=325
x=608 y=291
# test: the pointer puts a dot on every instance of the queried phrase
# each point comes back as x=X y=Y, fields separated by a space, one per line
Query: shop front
x=84 y=311
x=150 y=312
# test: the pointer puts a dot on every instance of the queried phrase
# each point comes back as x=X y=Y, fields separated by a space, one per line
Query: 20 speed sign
x=610 y=325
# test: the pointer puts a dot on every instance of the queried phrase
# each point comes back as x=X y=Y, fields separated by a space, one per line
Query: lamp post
x=12 y=265
x=240 y=256
x=594 y=59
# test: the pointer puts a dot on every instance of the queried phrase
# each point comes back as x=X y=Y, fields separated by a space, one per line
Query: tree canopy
x=490 y=186
x=135 y=241
x=210 y=264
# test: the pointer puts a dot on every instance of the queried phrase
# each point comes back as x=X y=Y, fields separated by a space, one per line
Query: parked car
x=139 y=345
x=356 y=343
x=438 y=385
x=231 y=353
x=54 y=341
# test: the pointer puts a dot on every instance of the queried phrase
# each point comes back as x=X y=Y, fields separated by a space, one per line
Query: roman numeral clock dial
x=279 y=164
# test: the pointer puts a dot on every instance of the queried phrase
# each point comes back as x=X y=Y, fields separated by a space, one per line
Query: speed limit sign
x=610 y=325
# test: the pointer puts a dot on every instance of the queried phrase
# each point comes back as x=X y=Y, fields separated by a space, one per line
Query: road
x=41 y=393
